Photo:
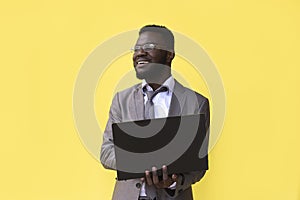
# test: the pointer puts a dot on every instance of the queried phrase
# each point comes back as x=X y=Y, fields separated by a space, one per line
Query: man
x=152 y=58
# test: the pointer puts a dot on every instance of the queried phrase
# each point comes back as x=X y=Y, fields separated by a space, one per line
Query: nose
x=139 y=53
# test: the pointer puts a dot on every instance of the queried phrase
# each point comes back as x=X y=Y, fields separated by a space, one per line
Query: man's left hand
x=165 y=183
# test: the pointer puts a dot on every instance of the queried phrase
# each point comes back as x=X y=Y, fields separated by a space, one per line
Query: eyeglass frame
x=150 y=48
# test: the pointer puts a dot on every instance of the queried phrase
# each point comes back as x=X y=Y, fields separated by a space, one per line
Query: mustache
x=143 y=57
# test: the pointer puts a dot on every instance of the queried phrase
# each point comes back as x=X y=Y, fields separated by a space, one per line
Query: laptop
x=179 y=142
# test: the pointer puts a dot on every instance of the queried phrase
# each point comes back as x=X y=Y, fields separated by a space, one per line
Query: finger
x=154 y=175
x=148 y=177
x=174 y=177
x=165 y=173
x=142 y=179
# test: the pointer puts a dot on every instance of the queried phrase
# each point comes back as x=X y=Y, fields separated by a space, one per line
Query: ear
x=170 y=56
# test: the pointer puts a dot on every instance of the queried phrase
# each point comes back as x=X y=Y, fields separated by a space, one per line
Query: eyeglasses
x=146 y=47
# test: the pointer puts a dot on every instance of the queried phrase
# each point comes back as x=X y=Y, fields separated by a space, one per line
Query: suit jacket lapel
x=177 y=100
x=139 y=103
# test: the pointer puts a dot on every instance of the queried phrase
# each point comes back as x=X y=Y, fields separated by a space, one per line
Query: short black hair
x=164 y=31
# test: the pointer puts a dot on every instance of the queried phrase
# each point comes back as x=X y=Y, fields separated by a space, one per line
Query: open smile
x=141 y=63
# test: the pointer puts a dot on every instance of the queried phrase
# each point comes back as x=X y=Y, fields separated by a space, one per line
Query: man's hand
x=165 y=183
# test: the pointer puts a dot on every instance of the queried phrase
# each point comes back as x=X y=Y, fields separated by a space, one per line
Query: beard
x=152 y=71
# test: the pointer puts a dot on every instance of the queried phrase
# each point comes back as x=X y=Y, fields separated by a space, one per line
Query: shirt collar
x=169 y=83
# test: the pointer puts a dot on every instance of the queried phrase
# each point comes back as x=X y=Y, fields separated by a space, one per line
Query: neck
x=155 y=83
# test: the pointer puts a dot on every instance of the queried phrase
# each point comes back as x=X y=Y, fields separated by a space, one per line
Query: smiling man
x=153 y=98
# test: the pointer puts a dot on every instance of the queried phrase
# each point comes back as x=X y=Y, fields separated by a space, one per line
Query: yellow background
x=255 y=45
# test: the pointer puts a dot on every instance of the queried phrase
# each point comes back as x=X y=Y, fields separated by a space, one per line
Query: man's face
x=149 y=64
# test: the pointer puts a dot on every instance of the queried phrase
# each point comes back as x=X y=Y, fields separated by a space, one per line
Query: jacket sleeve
x=185 y=180
x=107 y=154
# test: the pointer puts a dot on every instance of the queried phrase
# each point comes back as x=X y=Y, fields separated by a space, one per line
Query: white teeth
x=143 y=62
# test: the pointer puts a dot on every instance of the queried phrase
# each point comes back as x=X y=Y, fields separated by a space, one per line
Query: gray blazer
x=128 y=105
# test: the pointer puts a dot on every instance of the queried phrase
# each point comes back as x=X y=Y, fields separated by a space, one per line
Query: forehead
x=150 y=37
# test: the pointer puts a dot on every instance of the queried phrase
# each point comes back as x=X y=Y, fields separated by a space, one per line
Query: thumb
x=174 y=177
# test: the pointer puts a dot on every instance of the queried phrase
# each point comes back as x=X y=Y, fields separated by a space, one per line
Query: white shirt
x=162 y=100
x=161 y=104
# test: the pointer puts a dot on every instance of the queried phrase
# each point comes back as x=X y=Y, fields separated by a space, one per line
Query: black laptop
x=179 y=142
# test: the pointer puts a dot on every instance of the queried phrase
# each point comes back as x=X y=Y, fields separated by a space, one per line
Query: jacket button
x=138 y=185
